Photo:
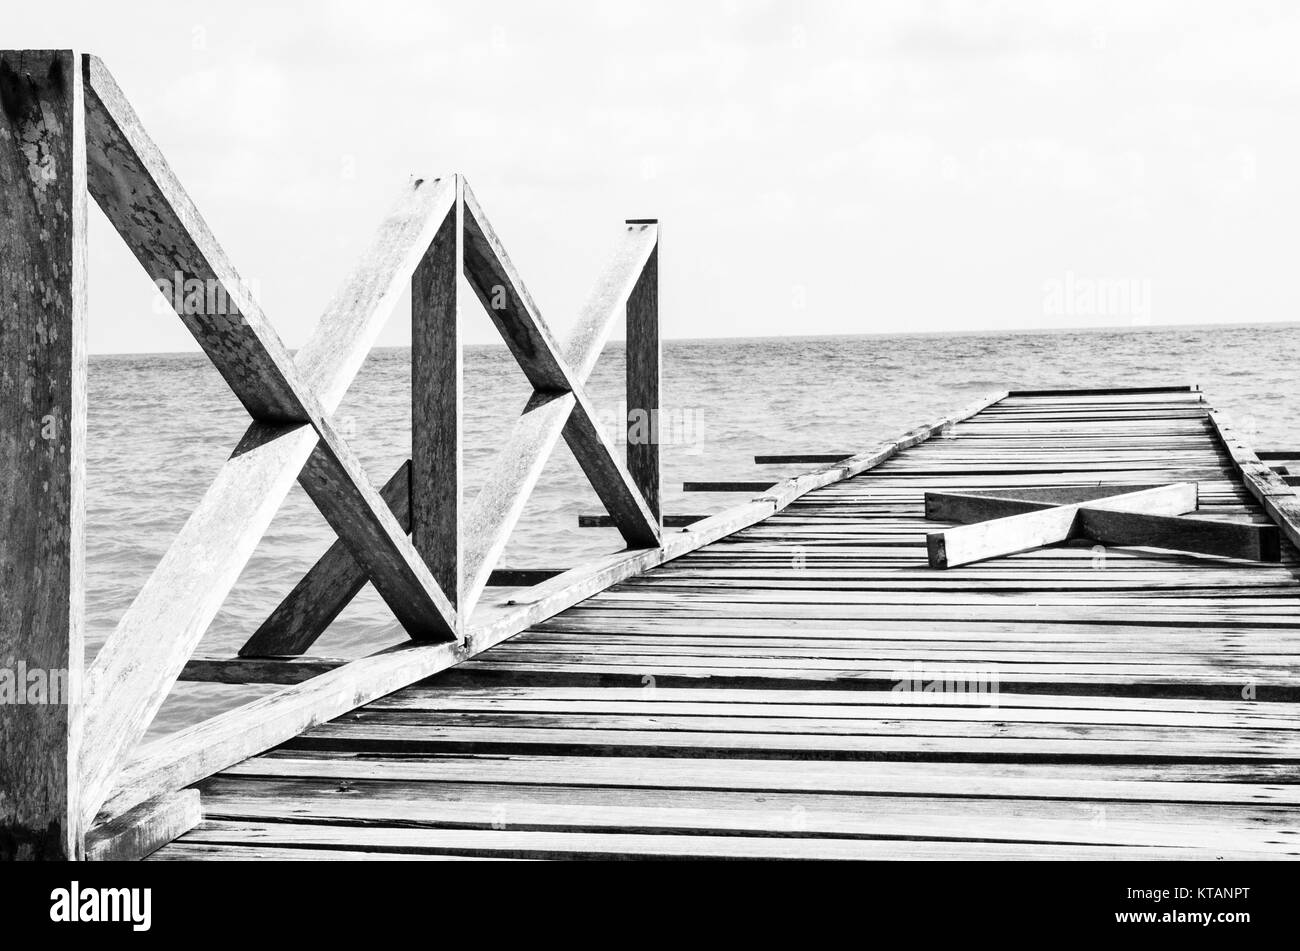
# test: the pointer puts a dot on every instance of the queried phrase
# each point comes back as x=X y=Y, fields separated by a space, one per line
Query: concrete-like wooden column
x=42 y=450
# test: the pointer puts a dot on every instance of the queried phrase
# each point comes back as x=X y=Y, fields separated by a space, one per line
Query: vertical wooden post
x=435 y=488
x=643 y=351
x=42 y=450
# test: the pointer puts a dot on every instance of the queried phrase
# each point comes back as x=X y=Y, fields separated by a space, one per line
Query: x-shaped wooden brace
x=290 y=399
x=559 y=405
x=1004 y=521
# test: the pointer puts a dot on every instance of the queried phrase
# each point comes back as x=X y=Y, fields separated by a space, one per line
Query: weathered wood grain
x=1047 y=526
x=146 y=828
x=642 y=388
x=42 y=450
x=436 y=383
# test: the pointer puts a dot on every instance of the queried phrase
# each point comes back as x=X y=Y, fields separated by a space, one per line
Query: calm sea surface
x=161 y=426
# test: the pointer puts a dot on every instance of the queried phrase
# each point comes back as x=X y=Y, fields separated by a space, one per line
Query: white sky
x=818 y=166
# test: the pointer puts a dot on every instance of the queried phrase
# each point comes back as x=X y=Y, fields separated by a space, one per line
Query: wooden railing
x=75 y=778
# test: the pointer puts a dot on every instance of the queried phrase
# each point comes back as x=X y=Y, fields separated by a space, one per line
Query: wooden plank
x=1051 y=526
x=217 y=669
x=435 y=484
x=1278 y=454
x=799 y=458
x=145 y=829
x=704 y=812
x=551 y=845
x=42 y=451
x=642 y=390
x=733 y=486
x=1103 y=391
x=669 y=521
x=976 y=505
x=1224 y=539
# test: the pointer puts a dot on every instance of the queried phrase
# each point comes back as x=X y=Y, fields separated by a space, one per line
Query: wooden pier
x=1053 y=624
x=743 y=700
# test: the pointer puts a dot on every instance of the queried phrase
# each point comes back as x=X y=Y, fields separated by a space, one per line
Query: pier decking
x=742 y=700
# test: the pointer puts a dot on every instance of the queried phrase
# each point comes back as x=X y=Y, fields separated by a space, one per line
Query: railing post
x=643 y=352
x=436 y=390
x=42 y=450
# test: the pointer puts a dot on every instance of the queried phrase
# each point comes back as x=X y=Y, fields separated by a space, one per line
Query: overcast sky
x=819 y=167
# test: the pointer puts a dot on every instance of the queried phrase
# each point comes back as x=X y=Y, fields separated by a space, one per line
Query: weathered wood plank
x=1048 y=526
x=669 y=521
x=42 y=451
x=800 y=458
x=732 y=486
x=642 y=372
x=146 y=828
x=436 y=383
x=1224 y=539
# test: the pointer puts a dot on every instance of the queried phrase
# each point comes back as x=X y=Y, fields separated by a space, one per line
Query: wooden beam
x=800 y=458
x=1000 y=536
x=737 y=486
x=143 y=200
x=42 y=451
x=146 y=828
x=1278 y=454
x=221 y=669
x=981 y=505
x=1046 y=526
x=1104 y=391
x=199 y=751
x=1202 y=536
x=436 y=384
x=669 y=521
x=642 y=372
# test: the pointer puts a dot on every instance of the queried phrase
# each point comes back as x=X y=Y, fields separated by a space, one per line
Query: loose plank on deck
x=738 y=702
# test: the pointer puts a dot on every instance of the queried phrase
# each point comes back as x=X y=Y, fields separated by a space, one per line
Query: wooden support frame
x=42 y=449
x=486 y=525
x=408 y=539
